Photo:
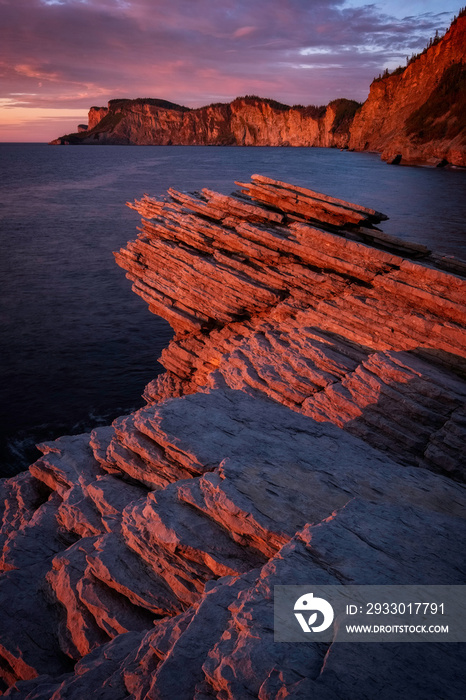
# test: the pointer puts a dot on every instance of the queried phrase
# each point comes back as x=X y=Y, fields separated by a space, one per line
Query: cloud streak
x=74 y=53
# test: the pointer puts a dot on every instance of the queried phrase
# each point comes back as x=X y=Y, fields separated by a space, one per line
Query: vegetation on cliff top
x=314 y=111
x=153 y=101
x=254 y=100
x=156 y=102
x=415 y=56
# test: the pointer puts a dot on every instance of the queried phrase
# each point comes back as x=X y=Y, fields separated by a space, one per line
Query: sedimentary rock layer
x=308 y=429
x=166 y=591
x=286 y=292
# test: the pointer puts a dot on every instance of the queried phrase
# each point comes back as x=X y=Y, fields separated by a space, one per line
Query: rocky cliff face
x=96 y=114
x=419 y=115
x=248 y=121
x=309 y=429
x=413 y=116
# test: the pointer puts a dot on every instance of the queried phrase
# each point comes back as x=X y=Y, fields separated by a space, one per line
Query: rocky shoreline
x=309 y=428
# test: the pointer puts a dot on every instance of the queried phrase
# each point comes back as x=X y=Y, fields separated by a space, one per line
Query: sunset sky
x=59 y=57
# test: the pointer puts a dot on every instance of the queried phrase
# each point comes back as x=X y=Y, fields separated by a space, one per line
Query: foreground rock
x=181 y=577
x=309 y=429
x=313 y=306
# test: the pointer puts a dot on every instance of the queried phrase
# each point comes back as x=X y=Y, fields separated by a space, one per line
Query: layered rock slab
x=151 y=547
x=285 y=291
x=284 y=499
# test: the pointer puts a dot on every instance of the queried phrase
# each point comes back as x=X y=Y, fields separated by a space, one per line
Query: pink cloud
x=243 y=31
x=82 y=53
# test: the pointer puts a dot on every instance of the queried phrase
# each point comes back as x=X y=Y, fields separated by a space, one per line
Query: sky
x=60 y=57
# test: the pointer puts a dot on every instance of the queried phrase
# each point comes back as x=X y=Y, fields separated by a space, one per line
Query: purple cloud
x=75 y=53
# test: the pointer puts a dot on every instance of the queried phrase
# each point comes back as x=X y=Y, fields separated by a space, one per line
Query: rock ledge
x=308 y=430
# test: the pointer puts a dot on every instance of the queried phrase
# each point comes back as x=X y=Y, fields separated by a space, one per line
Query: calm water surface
x=77 y=346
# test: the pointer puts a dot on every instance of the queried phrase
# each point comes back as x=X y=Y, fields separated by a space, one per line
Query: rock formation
x=414 y=116
x=308 y=429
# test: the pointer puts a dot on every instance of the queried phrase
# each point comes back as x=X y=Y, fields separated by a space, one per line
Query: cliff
x=247 y=121
x=414 y=116
x=418 y=115
x=309 y=428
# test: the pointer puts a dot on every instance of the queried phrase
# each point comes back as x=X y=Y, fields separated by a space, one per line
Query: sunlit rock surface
x=309 y=428
x=417 y=116
x=246 y=121
x=301 y=297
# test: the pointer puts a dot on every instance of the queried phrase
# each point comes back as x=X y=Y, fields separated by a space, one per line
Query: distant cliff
x=247 y=121
x=414 y=115
x=418 y=114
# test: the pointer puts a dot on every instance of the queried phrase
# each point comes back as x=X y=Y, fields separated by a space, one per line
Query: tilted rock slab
x=285 y=291
x=308 y=430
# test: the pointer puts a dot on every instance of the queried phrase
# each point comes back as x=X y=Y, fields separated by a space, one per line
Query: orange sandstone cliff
x=419 y=115
x=309 y=429
x=247 y=121
x=416 y=115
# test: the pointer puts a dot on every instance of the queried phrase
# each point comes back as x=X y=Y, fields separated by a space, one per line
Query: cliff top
x=458 y=25
x=313 y=110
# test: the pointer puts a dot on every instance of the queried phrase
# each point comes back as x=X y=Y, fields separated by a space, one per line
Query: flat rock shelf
x=309 y=429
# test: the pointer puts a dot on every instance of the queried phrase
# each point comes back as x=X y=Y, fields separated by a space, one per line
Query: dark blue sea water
x=77 y=346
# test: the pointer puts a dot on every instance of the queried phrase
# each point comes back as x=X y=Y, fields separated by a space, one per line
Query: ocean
x=77 y=346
